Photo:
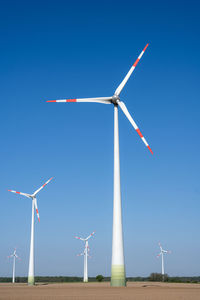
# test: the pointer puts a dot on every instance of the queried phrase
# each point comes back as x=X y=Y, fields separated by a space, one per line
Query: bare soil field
x=101 y=291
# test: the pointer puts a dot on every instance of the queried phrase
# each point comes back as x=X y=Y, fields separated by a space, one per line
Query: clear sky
x=68 y=49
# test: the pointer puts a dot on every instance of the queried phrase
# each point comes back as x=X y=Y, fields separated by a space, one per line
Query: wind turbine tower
x=162 y=252
x=31 y=279
x=118 y=277
x=14 y=255
x=85 y=253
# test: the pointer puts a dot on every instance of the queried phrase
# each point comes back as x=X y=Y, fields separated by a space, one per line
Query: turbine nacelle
x=31 y=196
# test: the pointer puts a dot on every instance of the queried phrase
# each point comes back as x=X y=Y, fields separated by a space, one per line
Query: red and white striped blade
x=160 y=246
x=166 y=251
x=127 y=114
x=158 y=254
x=90 y=235
x=79 y=238
x=24 y=194
x=35 y=193
x=36 y=208
x=104 y=100
x=80 y=254
x=122 y=84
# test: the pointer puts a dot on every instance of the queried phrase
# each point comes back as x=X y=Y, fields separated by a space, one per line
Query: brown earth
x=100 y=291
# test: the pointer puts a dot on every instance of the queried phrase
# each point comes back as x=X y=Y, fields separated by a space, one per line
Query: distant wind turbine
x=85 y=253
x=31 y=280
x=162 y=252
x=118 y=277
x=14 y=255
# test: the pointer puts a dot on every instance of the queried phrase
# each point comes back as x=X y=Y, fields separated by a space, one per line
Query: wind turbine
x=85 y=253
x=31 y=280
x=14 y=255
x=162 y=252
x=118 y=277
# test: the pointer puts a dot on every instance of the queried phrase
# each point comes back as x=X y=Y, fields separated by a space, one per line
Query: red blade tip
x=150 y=149
x=146 y=47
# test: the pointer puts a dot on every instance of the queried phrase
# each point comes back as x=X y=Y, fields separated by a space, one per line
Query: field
x=100 y=291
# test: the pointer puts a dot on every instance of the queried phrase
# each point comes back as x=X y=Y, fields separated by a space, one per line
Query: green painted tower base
x=118 y=277
x=31 y=280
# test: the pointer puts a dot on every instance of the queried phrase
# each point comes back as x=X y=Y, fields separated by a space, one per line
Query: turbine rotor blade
x=166 y=251
x=37 y=191
x=24 y=194
x=90 y=235
x=127 y=114
x=104 y=100
x=79 y=238
x=36 y=208
x=160 y=246
x=122 y=84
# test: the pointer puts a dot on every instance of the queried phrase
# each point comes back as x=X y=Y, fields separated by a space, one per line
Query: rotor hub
x=115 y=98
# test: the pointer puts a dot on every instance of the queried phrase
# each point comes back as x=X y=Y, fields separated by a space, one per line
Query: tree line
x=157 y=277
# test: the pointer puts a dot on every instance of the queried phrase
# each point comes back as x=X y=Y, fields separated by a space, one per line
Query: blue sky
x=65 y=49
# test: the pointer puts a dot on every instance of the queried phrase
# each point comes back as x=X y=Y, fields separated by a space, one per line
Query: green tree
x=99 y=278
x=158 y=277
